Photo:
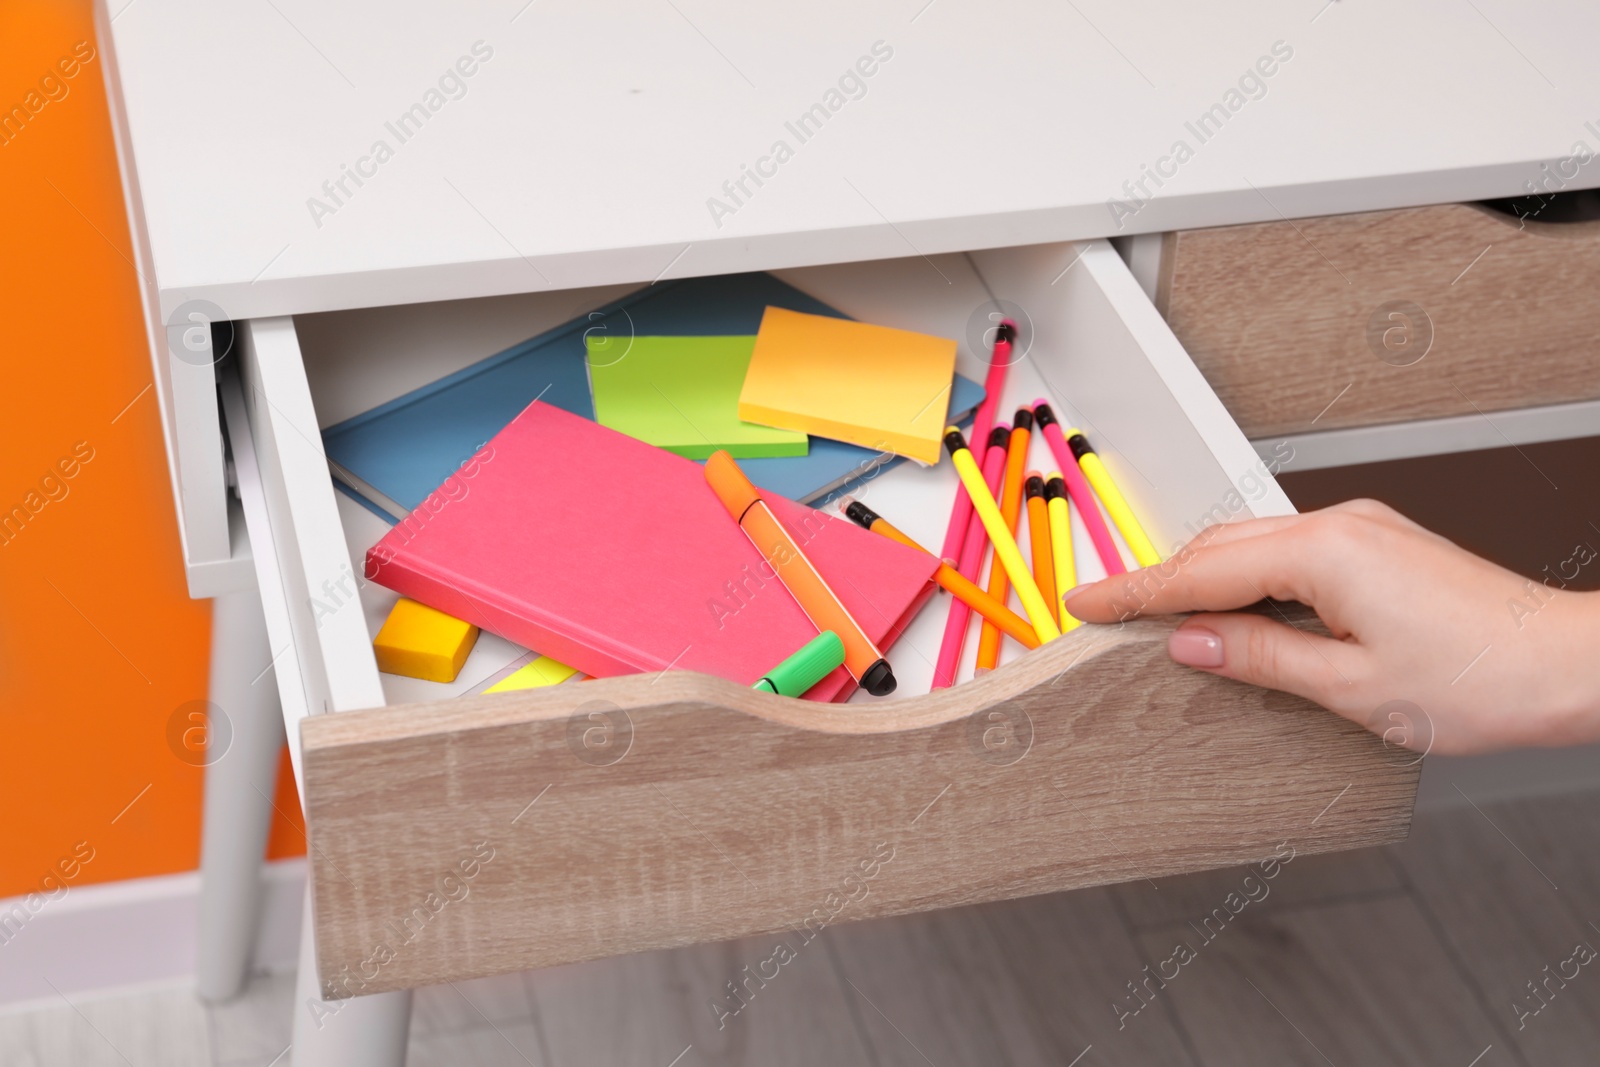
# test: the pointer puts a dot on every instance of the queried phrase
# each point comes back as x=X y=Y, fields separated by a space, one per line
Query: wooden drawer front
x=728 y=812
x=481 y=836
x=1284 y=317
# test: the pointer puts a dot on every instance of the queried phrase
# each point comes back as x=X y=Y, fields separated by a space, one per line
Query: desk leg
x=368 y=1031
x=238 y=793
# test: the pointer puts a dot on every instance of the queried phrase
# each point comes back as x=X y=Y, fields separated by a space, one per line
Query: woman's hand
x=1492 y=659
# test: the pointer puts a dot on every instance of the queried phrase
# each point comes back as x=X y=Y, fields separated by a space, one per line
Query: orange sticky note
x=872 y=386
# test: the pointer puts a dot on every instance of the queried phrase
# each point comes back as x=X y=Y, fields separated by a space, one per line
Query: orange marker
x=820 y=603
x=949 y=578
x=1010 y=510
x=1044 y=571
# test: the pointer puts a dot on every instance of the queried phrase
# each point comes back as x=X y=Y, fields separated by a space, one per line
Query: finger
x=1217 y=577
x=1269 y=653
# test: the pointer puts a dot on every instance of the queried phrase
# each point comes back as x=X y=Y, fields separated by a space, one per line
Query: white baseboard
x=104 y=938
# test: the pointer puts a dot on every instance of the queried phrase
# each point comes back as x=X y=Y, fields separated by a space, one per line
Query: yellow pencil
x=1005 y=546
x=1055 y=496
x=1106 y=489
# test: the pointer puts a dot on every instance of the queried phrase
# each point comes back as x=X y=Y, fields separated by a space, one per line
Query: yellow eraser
x=420 y=642
x=542 y=671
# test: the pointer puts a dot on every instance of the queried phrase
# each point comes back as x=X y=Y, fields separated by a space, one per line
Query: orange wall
x=99 y=642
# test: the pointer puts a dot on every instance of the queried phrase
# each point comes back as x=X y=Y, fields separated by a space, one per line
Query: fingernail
x=1075 y=590
x=1194 y=646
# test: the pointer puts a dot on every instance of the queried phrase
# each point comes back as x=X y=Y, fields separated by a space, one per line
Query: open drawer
x=455 y=835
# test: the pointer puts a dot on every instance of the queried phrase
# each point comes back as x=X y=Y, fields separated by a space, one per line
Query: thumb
x=1267 y=653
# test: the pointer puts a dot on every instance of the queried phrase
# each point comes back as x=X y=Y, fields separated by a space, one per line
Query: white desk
x=586 y=147
x=591 y=147
x=585 y=150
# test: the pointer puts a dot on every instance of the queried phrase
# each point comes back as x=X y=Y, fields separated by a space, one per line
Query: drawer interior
x=727 y=813
x=1093 y=346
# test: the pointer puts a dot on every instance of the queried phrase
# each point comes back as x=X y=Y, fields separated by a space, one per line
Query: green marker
x=816 y=658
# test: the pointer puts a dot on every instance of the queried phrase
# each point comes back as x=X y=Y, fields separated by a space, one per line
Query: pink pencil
x=955 y=624
x=1078 y=489
x=982 y=426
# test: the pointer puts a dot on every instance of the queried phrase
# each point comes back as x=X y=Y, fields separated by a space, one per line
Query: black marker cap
x=1080 y=446
x=1000 y=437
x=861 y=515
x=1033 y=486
x=1055 y=489
x=1045 y=416
x=879 y=679
x=1006 y=331
x=954 y=441
x=1024 y=420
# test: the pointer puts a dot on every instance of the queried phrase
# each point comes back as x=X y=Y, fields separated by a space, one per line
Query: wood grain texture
x=1070 y=955
x=164 y=1027
x=650 y=1007
x=1276 y=314
x=938 y=987
x=463 y=1005
x=487 y=1045
x=1362 y=982
x=950 y=980
x=1307 y=880
x=1513 y=889
x=730 y=813
x=256 y=1025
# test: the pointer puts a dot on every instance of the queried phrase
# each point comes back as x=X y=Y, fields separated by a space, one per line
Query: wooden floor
x=1417 y=954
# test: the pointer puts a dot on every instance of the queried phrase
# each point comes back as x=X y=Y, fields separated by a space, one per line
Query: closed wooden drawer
x=1388 y=316
x=451 y=838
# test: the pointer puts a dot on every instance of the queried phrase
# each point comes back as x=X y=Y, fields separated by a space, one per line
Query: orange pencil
x=1010 y=510
x=949 y=578
x=1044 y=571
x=820 y=603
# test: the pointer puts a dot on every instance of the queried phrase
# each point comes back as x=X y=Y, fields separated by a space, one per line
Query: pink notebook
x=615 y=557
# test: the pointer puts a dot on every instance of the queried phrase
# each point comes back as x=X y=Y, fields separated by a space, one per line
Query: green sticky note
x=682 y=394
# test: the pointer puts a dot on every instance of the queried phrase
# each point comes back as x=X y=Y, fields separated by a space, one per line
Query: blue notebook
x=390 y=458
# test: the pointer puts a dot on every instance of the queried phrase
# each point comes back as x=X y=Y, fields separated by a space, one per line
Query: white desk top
x=585 y=149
